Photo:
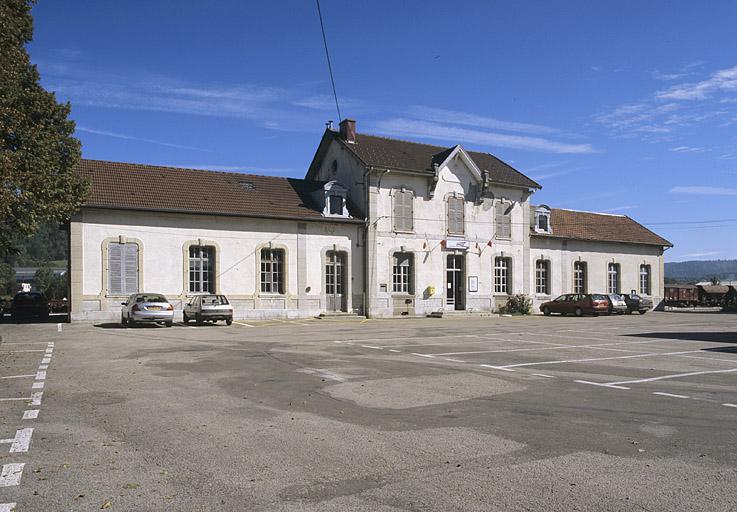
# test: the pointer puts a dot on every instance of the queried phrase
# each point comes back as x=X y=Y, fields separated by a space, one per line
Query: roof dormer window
x=542 y=219
x=336 y=196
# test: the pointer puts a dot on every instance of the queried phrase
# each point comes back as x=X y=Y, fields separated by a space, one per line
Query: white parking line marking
x=589 y=359
x=670 y=394
x=543 y=375
x=244 y=324
x=43 y=367
x=429 y=356
x=41 y=375
x=10 y=474
x=453 y=360
x=46 y=360
x=7 y=507
x=372 y=347
x=22 y=441
x=730 y=405
x=673 y=376
x=38 y=385
x=18 y=351
x=394 y=350
x=600 y=384
x=502 y=368
x=25 y=343
x=36 y=397
x=30 y=414
x=17 y=376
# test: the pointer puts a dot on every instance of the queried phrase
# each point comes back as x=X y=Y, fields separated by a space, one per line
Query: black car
x=28 y=305
x=637 y=303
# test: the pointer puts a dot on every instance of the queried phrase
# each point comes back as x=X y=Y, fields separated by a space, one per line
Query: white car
x=208 y=308
x=147 y=308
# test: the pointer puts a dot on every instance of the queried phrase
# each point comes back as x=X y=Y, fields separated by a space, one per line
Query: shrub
x=519 y=304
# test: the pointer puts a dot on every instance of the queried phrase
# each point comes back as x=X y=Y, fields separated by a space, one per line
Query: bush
x=519 y=304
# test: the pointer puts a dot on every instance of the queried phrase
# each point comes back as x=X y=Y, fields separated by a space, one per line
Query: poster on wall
x=473 y=283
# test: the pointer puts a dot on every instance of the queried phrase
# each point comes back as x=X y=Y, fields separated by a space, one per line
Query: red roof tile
x=575 y=225
x=152 y=187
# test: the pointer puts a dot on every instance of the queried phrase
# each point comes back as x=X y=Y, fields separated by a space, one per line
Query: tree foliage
x=37 y=149
x=7 y=280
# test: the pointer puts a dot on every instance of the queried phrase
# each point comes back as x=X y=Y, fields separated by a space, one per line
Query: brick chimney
x=348 y=130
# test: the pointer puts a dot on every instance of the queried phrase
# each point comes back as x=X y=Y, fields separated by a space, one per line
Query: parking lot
x=478 y=413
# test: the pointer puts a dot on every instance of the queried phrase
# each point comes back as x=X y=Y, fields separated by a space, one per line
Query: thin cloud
x=657 y=75
x=721 y=80
x=423 y=129
x=439 y=115
x=701 y=254
x=620 y=209
x=123 y=136
x=687 y=149
x=706 y=191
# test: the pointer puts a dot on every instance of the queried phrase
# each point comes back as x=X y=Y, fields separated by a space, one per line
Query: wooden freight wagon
x=713 y=294
x=681 y=295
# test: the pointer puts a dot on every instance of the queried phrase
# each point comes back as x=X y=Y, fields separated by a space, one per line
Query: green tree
x=7 y=280
x=58 y=287
x=37 y=150
x=43 y=278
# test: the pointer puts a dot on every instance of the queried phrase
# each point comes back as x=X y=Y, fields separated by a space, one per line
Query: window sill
x=399 y=231
x=400 y=295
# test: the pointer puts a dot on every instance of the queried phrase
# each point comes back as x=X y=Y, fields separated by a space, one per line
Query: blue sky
x=625 y=107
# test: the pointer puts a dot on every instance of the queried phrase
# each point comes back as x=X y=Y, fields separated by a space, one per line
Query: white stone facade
x=164 y=239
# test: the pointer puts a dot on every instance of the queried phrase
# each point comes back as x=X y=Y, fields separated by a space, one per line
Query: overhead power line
x=327 y=55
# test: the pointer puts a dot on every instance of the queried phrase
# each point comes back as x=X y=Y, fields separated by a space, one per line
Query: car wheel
x=123 y=321
x=169 y=323
x=579 y=312
x=546 y=311
x=643 y=312
x=185 y=318
x=198 y=319
x=628 y=312
x=229 y=321
x=131 y=322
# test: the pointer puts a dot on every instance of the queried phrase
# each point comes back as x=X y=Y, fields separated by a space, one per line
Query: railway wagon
x=681 y=295
x=713 y=294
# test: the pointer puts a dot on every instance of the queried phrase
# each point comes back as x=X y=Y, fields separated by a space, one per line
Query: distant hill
x=694 y=271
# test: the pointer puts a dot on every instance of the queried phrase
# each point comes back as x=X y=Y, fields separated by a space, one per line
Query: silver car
x=208 y=308
x=617 y=305
x=147 y=307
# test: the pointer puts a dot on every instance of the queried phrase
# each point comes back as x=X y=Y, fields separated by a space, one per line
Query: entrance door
x=335 y=280
x=455 y=294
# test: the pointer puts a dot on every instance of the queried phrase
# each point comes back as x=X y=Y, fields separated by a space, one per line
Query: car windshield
x=597 y=296
x=561 y=298
x=154 y=297
x=634 y=296
x=616 y=297
x=214 y=299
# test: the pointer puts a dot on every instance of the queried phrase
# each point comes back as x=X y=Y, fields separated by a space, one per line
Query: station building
x=378 y=226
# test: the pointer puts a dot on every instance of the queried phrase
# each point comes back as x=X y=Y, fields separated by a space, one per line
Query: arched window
x=402 y=271
x=580 y=277
x=201 y=269
x=645 y=279
x=272 y=270
x=503 y=275
x=613 y=278
x=542 y=277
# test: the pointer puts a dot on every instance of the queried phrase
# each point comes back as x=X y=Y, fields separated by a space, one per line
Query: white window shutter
x=130 y=268
x=408 y=211
x=115 y=269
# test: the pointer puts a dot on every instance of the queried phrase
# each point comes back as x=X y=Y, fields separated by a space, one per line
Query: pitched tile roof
x=152 y=187
x=575 y=225
x=401 y=154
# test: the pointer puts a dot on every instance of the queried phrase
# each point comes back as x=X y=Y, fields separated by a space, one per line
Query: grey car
x=147 y=308
x=208 y=308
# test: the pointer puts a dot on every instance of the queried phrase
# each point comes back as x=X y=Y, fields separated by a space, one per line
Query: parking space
x=477 y=413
